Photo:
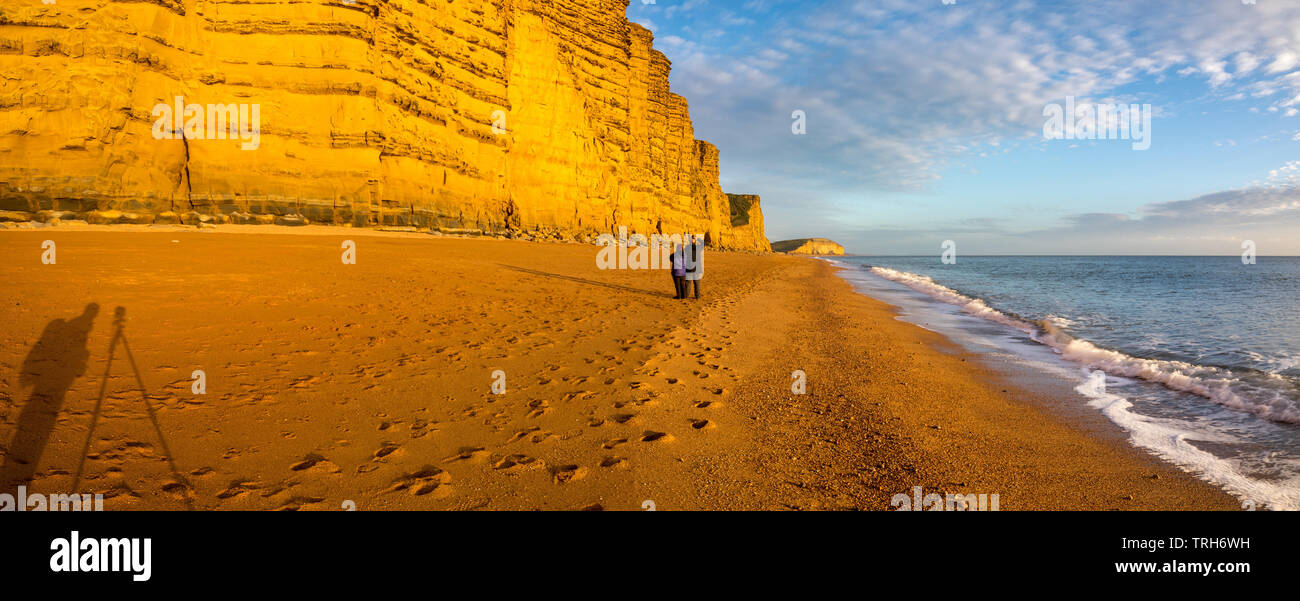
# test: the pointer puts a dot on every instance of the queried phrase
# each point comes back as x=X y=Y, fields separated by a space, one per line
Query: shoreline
x=1016 y=432
x=372 y=383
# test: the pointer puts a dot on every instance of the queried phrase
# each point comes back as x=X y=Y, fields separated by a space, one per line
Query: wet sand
x=372 y=383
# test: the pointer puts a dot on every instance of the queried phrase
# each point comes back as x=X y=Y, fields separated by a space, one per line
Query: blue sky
x=925 y=120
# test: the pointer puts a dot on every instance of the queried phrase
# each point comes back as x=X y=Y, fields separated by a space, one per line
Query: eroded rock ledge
x=535 y=118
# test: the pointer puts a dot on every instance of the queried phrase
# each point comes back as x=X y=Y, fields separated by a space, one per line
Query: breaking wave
x=1216 y=384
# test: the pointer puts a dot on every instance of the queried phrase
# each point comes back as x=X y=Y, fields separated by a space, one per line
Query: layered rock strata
x=536 y=118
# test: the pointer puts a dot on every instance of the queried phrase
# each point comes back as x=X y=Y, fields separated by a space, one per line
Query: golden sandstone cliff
x=545 y=119
x=808 y=246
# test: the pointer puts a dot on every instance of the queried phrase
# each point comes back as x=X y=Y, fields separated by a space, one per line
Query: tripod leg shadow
x=119 y=335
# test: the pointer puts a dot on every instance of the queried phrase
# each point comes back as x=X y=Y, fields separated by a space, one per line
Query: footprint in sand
x=623 y=418
x=700 y=424
x=121 y=489
x=538 y=408
x=421 y=428
x=298 y=503
x=517 y=462
x=238 y=488
x=541 y=437
x=609 y=444
x=568 y=473
x=472 y=454
x=178 y=490
x=304 y=382
x=652 y=436
x=522 y=433
x=316 y=463
x=387 y=449
x=421 y=482
x=614 y=461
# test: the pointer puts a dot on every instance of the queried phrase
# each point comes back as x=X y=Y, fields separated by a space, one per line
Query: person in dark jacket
x=678 y=272
x=693 y=255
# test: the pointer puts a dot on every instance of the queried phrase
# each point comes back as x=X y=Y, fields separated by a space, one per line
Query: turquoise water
x=1199 y=356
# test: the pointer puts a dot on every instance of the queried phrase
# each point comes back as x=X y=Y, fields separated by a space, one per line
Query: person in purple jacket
x=678 y=260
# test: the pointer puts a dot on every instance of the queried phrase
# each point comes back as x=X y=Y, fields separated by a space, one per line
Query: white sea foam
x=1169 y=440
x=1211 y=383
x=1275 y=365
x=1058 y=321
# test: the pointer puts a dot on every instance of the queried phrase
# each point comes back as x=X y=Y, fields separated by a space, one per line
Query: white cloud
x=1244 y=63
x=895 y=90
x=1284 y=61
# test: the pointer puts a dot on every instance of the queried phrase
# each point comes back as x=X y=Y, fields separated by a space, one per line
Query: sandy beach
x=372 y=383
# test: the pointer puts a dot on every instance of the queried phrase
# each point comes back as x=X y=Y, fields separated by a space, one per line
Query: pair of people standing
x=688 y=266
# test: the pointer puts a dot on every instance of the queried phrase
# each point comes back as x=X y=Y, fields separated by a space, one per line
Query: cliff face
x=746 y=223
x=542 y=118
x=808 y=246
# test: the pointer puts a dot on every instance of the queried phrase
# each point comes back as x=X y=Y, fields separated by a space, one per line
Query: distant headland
x=808 y=246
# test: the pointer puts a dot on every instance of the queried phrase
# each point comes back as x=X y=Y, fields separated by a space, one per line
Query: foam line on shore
x=1170 y=442
x=1207 y=382
x=1168 y=439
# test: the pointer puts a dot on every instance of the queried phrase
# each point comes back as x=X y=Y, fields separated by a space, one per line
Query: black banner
x=327 y=549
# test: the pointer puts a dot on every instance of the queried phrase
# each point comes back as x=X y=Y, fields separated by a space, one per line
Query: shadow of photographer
x=57 y=359
x=54 y=363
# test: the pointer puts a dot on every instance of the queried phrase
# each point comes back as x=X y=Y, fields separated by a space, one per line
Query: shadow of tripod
x=119 y=320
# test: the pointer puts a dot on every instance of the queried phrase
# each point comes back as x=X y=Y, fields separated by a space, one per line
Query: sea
x=1196 y=358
